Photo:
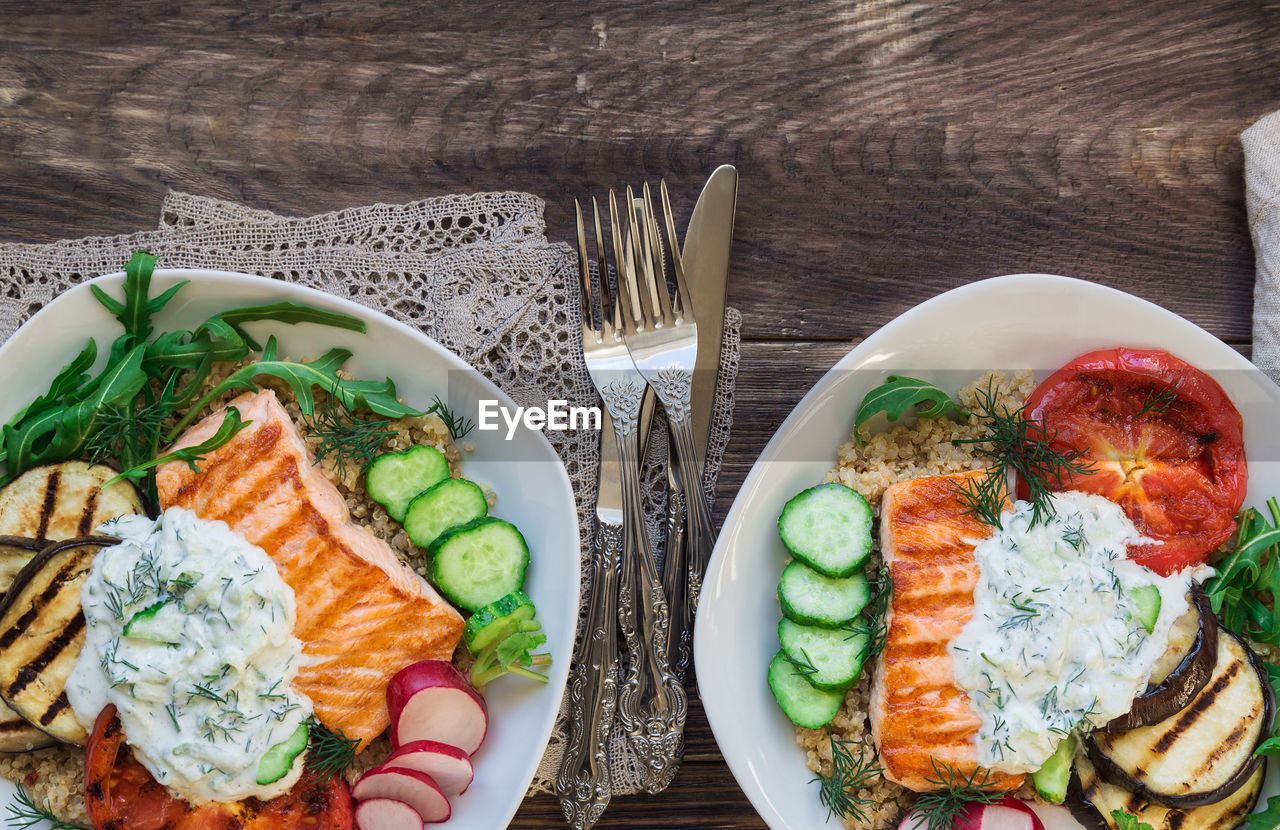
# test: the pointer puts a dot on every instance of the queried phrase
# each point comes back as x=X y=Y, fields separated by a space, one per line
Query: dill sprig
x=347 y=437
x=850 y=770
x=457 y=425
x=127 y=435
x=24 y=813
x=1016 y=444
x=954 y=792
x=802 y=664
x=876 y=626
x=1158 y=401
x=330 y=753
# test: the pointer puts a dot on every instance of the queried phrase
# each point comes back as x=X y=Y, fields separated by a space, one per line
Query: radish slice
x=387 y=814
x=1006 y=814
x=447 y=765
x=432 y=701
x=406 y=785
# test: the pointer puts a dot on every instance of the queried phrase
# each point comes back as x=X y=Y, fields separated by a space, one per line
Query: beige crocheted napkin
x=1262 y=200
x=474 y=272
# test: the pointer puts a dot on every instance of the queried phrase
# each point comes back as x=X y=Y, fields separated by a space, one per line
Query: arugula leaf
x=136 y=310
x=1128 y=821
x=70 y=378
x=897 y=396
x=1249 y=573
x=291 y=313
x=369 y=395
x=231 y=424
x=1268 y=819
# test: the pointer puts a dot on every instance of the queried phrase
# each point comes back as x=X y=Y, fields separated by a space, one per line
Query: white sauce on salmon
x=1055 y=643
x=189 y=632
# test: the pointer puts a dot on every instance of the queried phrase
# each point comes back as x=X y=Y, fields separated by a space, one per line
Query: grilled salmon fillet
x=919 y=715
x=362 y=613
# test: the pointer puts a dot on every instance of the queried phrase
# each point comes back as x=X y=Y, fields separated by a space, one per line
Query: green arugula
x=1128 y=821
x=231 y=424
x=1245 y=591
x=1268 y=819
x=897 y=396
x=136 y=310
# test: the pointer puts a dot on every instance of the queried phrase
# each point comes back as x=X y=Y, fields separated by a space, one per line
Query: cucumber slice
x=828 y=527
x=146 y=625
x=836 y=654
x=813 y=598
x=478 y=563
x=1052 y=778
x=499 y=620
x=276 y=762
x=799 y=700
x=452 y=502
x=393 y=479
x=1146 y=605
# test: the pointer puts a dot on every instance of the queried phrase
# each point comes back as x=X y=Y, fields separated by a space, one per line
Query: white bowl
x=1031 y=321
x=526 y=474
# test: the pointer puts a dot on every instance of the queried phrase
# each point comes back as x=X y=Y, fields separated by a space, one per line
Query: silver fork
x=662 y=337
x=651 y=700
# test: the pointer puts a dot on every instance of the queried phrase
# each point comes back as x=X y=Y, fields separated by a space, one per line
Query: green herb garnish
x=1158 y=401
x=457 y=425
x=24 y=813
x=231 y=424
x=1268 y=819
x=954 y=792
x=1128 y=821
x=330 y=753
x=874 y=621
x=512 y=654
x=849 y=773
x=347 y=438
x=1245 y=591
x=897 y=396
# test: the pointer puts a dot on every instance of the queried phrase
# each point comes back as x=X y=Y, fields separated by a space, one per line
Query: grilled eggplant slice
x=1182 y=672
x=1092 y=800
x=1204 y=753
x=41 y=634
x=64 y=501
x=16 y=735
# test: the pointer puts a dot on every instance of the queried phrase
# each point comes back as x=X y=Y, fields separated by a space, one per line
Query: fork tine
x=588 y=310
x=676 y=260
x=658 y=279
x=602 y=272
x=648 y=259
x=632 y=316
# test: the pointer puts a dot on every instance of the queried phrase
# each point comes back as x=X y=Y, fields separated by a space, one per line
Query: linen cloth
x=1262 y=203
x=474 y=272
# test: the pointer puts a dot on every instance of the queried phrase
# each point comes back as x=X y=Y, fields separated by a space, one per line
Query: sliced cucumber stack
x=393 y=479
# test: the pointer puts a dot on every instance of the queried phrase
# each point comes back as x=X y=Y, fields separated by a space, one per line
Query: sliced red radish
x=432 y=701
x=1006 y=814
x=406 y=785
x=387 y=814
x=447 y=765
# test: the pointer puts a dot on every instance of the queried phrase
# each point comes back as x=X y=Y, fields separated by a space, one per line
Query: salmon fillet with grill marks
x=918 y=713
x=362 y=613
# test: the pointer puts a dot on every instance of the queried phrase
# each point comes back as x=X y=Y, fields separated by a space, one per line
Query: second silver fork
x=652 y=703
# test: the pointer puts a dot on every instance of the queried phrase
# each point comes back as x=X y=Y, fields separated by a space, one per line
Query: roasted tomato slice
x=120 y=794
x=1165 y=442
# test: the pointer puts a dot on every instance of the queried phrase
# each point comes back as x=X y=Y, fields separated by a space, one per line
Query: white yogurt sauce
x=1054 y=644
x=202 y=681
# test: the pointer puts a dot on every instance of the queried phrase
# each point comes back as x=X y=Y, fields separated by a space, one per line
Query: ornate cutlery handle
x=652 y=704
x=675 y=570
x=582 y=782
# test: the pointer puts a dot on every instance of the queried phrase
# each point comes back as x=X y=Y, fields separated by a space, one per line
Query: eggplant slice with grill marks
x=1203 y=753
x=41 y=634
x=1182 y=672
x=64 y=501
x=16 y=735
x=1092 y=799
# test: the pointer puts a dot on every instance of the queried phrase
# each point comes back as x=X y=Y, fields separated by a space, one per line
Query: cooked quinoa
x=924 y=448
x=54 y=777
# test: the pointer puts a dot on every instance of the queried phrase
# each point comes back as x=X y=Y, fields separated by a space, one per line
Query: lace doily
x=474 y=272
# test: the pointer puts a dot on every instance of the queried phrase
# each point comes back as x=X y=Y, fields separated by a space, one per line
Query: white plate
x=527 y=476
x=1025 y=321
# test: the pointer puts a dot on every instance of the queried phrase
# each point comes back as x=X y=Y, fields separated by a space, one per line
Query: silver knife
x=706 y=266
x=582 y=781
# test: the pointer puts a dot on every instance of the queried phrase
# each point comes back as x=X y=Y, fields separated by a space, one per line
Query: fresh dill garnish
x=803 y=665
x=331 y=753
x=1016 y=444
x=24 y=813
x=348 y=438
x=127 y=435
x=954 y=792
x=850 y=770
x=457 y=425
x=877 y=627
x=1158 y=401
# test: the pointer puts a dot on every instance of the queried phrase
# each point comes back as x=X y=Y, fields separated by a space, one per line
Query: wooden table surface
x=888 y=150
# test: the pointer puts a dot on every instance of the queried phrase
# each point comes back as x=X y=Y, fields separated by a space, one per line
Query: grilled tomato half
x=120 y=794
x=1164 y=441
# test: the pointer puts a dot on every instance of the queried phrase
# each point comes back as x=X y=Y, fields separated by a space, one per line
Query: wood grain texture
x=889 y=150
